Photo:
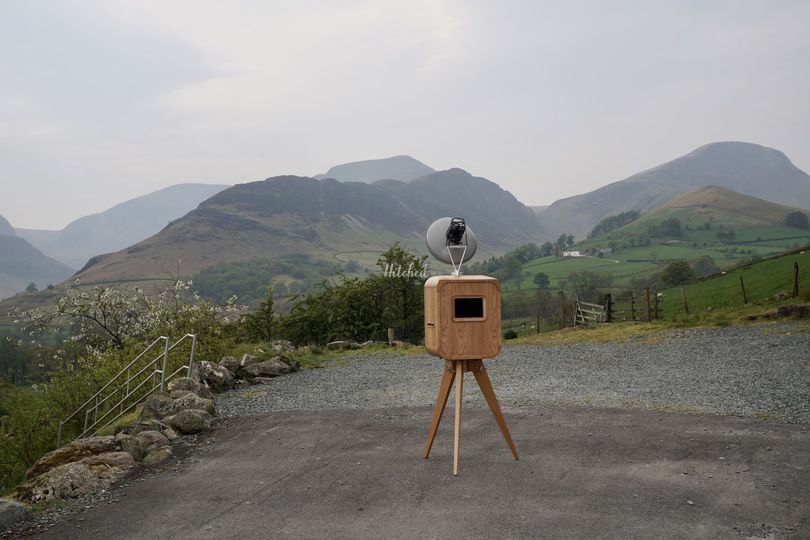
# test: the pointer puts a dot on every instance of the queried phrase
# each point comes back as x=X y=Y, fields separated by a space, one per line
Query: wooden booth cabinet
x=463 y=317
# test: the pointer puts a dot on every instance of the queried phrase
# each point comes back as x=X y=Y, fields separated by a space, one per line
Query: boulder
x=139 y=445
x=10 y=513
x=215 y=376
x=268 y=368
x=157 y=406
x=121 y=460
x=152 y=425
x=74 y=451
x=175 y=394
x=132 y=445
x=230 y=363
x=152 y=439
x=261 y=380
x=248 y=360
x=796 y=310
x=183 y=383
x=107 y=472
x=205 y=392
x=66 y=481
x=193 y=401
x=157 y=455
x=189 y=421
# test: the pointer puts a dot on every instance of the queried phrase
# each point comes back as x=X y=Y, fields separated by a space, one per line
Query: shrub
x=677 y=273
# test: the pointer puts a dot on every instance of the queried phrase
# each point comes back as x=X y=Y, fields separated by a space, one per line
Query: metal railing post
x=165 y=366
x=193 y=352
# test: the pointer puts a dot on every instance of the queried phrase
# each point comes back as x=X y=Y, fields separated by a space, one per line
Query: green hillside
x=727 y=226
x=765 y=282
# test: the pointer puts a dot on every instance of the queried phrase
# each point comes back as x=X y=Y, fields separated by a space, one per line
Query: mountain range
x=120 y=226
x=324 y=218
x=747 y=168
x=21 y=264
x=358 y=209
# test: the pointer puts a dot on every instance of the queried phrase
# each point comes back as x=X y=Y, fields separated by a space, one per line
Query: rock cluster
x=87 y=465
x=186 y=408
x=257 y=368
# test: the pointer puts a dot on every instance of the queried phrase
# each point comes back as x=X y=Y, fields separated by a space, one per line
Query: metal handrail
x=151 y=370
x=86 y=403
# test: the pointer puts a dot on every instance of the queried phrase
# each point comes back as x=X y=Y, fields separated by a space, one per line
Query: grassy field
x=642 y=261
x=763 y=282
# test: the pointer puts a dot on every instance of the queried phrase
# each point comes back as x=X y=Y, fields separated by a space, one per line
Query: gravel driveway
x=762 y=371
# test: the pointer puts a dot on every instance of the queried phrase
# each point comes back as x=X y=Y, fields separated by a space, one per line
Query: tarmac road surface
x=583 y=473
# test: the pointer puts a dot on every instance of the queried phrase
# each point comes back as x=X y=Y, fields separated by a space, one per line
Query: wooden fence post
x=656 y=306
x=647 y=304
x=742 y=286
x=391 y=337
x=795 y=279
x=561 y=307
x=608 y=307
x=685 y=303
x=632 y=308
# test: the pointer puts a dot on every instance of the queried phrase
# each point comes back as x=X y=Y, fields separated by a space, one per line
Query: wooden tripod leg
x=459 y=368
x=481 y=376
x=441 y=403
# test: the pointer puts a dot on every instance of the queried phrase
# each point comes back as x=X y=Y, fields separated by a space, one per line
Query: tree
x=561 y=242
x=527 y=252
x=667 y=228
x=569 y=240
x=259 y=324
x=32 y=288
x=105 y=318
x=404 y=290
x=362 y=308
x=797 y=220
x=511 y=268
x=677 y=273
x=541 y=280
x=704 y=266
x=547 y=249
x=727 y=235
x=611 y=223
x=586 y=284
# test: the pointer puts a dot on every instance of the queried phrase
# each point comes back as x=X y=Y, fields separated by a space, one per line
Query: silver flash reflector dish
x=451 y=241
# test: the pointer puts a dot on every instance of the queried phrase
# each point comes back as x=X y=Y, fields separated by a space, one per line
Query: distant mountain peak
x=746 y=168
x=401 y=167
x=120 y=226
x=6 y=228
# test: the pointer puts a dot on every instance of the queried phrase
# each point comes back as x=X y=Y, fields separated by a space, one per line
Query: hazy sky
x=105 y=100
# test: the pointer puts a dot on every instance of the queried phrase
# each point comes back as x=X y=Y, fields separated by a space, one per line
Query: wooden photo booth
x=463 y=326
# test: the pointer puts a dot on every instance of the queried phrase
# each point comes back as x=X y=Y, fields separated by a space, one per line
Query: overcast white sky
x=105 y=100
